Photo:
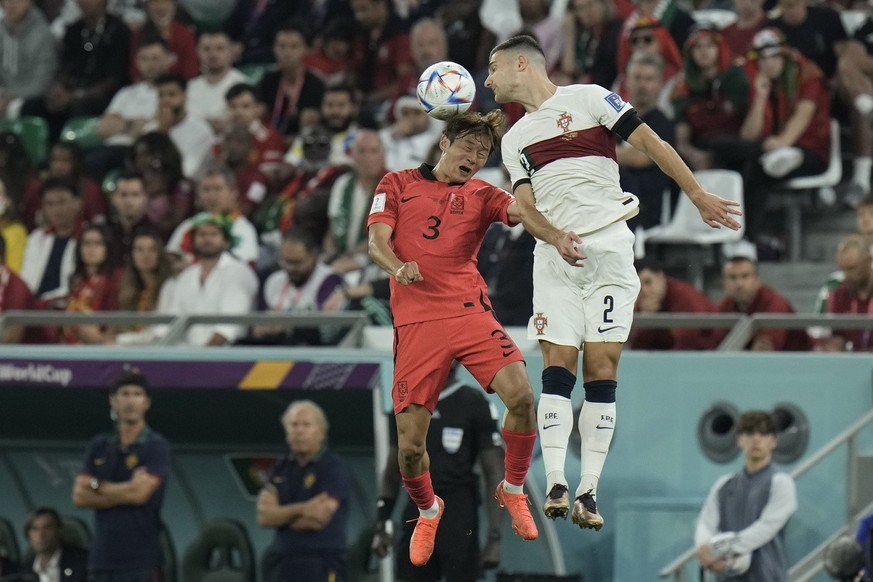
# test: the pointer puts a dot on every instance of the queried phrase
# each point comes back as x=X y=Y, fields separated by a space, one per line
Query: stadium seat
x=75 y=531
x=82 y=131
x=34 y=134
x=256 y=71
x=686 y=227
x=221 y=553
x=8 y=541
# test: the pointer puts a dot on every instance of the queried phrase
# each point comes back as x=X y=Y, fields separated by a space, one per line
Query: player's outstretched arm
x=523 y=210
x=714 y=210
x=379 y=248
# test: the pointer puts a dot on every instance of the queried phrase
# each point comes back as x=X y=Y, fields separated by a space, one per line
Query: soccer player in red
x=425 y=228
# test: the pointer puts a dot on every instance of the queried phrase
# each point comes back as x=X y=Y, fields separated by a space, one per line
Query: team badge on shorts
x=402 y=390
x=540 y=322
x=564 y=121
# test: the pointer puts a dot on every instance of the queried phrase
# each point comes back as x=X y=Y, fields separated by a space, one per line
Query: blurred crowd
x=192 y=156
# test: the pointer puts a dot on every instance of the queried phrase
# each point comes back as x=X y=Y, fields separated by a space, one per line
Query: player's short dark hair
x=132 y=377
x=521 y=42
x=488 y=127
x=59 y=183
x=296 y=26
x=39 y=512
x=756 y=421
x=172 y=79
x=241 y=89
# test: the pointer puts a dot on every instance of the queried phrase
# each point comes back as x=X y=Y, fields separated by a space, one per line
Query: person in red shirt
x=162 y=21
x=750 y=19
x=853 y=296
x=246 y=107
x=662 y=294
x=15 y=295
x=425 y=229
x=744 y=293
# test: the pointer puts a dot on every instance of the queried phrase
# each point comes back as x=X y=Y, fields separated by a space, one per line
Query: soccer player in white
x=561 y=157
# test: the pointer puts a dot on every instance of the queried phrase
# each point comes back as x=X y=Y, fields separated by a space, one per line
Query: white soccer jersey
x=566 y=149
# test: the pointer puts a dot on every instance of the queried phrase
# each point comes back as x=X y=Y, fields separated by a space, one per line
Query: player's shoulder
x=401 y=178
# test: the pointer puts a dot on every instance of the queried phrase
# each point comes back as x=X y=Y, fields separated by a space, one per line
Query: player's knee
x=520 y=401
x=410 y=454
x=558 y=381
x=600 y=391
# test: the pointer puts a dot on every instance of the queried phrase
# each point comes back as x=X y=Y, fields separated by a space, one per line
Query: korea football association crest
x=456 y=206
x=402 y=390
x=564 y=121
x=540 y=323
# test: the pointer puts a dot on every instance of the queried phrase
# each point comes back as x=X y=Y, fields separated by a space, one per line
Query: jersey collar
x=427 y=173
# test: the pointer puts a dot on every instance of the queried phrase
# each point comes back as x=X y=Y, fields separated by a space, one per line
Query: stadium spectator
x=745 y=293
x=50 y=254
x=350 y=198
x=670 y=13
x=639 y=173
x=146 y=272
x=95 y=58
x=17 y=175
x=467 y=38
x=129 y=201
x=751 y=18
x=15 y=295
x=787 y=127
x=428 y=44
x=650 y=37
x=306 y=499
x=94 y=285
x=462 y=435
x=292 y=92
x=710 y=102
x=382 y=55
x=191 y=134
x=206 y=93
x=252 y=27
x=237 y=146
x=331 y=55
x=162 y=21
x=53 y=558
x=217 y=195
x=302 y=284
x=28 y=55
x=853 y=296
x=13 y=232
x=591 y=33
x=217 y=283
x=815 y=30
x=247 y=107
x=339 y=114
x=65 y=161
x=748 y=510
x=548 y=29
x=660 y=293
x=320 y=13
x=124 y=478
x=155 y=157
x=408 y=140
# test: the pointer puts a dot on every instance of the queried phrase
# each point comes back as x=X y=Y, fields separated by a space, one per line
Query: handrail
x=674 y=567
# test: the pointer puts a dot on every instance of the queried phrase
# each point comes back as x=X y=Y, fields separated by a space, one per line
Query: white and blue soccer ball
x=445 y=89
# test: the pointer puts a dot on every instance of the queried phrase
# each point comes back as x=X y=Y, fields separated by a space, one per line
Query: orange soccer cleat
x=423 y=537
x=516 y=504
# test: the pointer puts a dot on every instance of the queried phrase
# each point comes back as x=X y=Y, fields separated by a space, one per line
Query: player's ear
x=444 y=143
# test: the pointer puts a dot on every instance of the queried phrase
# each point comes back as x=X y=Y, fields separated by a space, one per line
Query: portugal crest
x=564 y=121
x=540 y=322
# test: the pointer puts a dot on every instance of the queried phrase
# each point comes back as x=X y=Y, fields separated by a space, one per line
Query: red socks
x=421 y=489
x=519 y=448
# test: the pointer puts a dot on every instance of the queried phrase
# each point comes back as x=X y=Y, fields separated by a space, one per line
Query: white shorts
x=592 y=303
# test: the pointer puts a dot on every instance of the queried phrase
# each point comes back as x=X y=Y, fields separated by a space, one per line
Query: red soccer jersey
x=440 y=226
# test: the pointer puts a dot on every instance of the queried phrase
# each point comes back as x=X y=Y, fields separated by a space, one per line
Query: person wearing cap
x=409 y=139
x=217 y=283
x=787 y=127
x=124 y=478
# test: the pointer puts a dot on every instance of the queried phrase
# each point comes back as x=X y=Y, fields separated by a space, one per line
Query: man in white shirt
x=206 y=92
x=217 y=283
x=191 y=134
x=53 y=560
x=217 y=194
x=135 y=105
x=409 y=140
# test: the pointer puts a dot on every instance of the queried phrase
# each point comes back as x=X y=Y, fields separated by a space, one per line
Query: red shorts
x=423 y=354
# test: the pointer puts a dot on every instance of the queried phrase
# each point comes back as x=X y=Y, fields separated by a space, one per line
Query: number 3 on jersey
x=432 y=229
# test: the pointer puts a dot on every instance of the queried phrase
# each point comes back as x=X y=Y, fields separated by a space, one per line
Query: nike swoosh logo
x=606 y=329
x=549 y=426
x=402 y=200
x=606 y=427
x=509 y=353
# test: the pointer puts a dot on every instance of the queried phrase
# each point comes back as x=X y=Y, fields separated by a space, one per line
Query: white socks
x=432 y=512
x=596 y=427
x=555 y=422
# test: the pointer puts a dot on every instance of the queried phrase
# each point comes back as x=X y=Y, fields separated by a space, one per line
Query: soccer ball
x=445 y=89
